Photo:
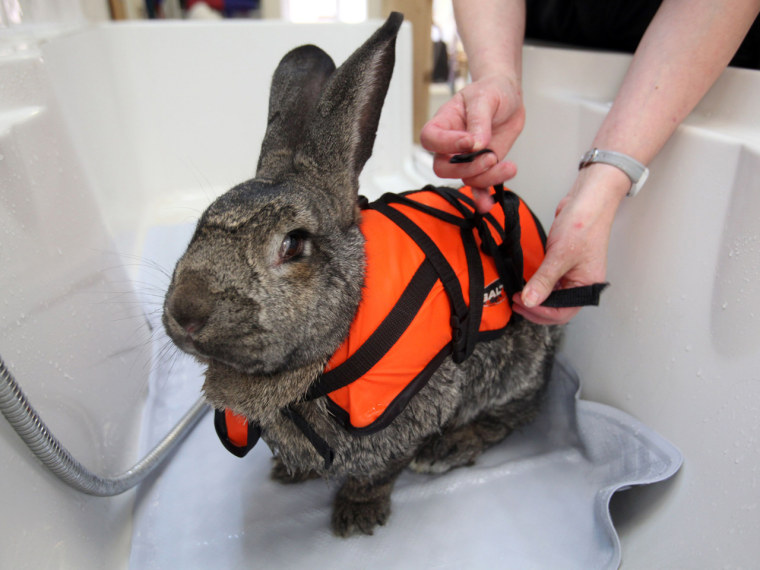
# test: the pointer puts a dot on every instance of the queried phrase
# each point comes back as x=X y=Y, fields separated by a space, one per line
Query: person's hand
x=576 y=247
x=487 y=113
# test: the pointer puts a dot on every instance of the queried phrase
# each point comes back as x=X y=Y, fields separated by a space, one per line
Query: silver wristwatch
x=632 y=168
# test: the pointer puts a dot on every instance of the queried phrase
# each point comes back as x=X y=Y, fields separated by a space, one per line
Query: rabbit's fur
x=272 y=277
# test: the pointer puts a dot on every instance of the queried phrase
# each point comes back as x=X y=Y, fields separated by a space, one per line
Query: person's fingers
x=543 y=281
x=480 y=111
x=483 y=200
x=443 y=140
x=544 y=315
x=555 y=269
x=446 y=169
x=500 y=172
x=446 y=132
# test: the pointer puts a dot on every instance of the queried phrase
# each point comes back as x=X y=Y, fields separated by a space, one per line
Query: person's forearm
x=492 y=32
x=685 y=48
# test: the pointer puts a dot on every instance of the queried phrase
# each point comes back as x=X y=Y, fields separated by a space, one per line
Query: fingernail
x=530 y=298
x=464 y=144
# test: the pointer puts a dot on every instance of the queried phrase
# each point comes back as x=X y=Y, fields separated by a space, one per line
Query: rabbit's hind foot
x=453 y=448
x=461 y=446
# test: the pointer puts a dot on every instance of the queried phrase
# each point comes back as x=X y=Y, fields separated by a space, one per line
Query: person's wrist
x=506 y=81
x=636 y=172
x=606 y=182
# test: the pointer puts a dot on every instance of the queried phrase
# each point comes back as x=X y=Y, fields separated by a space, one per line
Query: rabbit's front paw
x=361 y=505
x=359 y=516
x=282 y=474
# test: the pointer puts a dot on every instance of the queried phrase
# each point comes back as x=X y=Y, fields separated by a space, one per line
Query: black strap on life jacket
x=254 y=433
x=319 y=444
x=465 y=315
x=586 y=295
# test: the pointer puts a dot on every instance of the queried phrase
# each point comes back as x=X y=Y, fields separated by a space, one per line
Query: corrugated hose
x=46 y=447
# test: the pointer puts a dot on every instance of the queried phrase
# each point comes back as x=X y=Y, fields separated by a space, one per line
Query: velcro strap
x=587 y=295
x=319 y=444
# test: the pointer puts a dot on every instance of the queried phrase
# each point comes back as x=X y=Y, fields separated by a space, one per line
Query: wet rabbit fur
x=272 y=277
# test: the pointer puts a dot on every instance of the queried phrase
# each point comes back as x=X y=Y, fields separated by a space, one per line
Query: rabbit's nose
x=191 y=326
x=190 y=303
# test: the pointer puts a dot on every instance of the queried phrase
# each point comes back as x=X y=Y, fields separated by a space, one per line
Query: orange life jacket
x=439 y=278
x=425 y=268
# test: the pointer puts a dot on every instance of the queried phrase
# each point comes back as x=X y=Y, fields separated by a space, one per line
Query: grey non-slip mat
x=537 y=500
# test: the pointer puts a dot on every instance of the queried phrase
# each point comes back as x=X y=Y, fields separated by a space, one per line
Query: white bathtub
x=107 y=131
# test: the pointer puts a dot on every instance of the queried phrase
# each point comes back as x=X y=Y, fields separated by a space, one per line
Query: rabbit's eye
x=292 y=246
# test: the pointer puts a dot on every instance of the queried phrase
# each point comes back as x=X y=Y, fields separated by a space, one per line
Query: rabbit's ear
x=296 y=85
x=340 y=136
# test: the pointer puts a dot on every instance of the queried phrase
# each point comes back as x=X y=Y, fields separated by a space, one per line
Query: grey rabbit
x=272 y=278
